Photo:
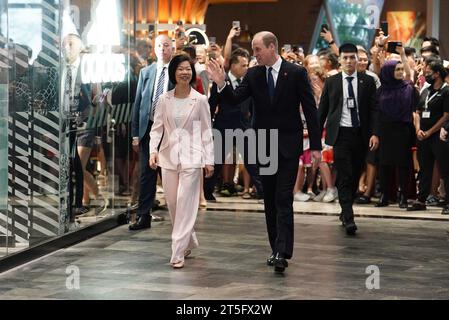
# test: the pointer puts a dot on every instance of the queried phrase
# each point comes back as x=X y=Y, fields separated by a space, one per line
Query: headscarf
x=395 y=96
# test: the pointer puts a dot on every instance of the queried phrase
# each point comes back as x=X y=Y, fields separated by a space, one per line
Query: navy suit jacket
x=144 y=96
x=292 y=90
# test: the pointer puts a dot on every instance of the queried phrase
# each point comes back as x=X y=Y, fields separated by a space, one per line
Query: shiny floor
x=388 y=259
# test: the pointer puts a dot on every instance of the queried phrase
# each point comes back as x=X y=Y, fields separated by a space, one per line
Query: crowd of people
x=354 y=124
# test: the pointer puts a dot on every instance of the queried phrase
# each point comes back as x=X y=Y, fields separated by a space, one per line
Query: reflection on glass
x=354 y=21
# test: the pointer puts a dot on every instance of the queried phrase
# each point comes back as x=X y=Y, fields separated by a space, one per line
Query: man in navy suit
x=153 y=82
x=278 y=88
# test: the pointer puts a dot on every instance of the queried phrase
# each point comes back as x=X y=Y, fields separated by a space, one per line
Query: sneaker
x=311 y=194
x=320 y=196
x=301 y=197
x=331 y=195
x=73 y=226
x=432 y=201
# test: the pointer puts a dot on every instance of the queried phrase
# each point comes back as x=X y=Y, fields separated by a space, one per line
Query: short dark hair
x=239 y=52
x=434 y=41
x=348 y=48
x=431 y=49
x=438 y=67
x=173 y=66
x=409 y=51
x=190 y=50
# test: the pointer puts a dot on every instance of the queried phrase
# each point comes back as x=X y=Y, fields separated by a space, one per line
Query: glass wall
x=68 y=74
x=349 y=21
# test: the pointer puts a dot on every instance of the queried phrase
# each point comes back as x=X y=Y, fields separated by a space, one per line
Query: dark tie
x=270 y=84
x=159 y=91
x=239 y=81
x=354 y=118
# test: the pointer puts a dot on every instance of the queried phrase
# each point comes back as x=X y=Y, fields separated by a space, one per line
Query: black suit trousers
x=349 y=155
x=278 y=200
x=148 y=176
x=76 y=178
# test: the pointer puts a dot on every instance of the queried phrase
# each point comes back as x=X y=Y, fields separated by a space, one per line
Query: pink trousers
x=182 y=193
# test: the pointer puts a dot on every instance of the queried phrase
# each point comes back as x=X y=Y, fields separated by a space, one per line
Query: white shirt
x=179 y=111
x=158 y=73
x=346 y=114
x=275 y=72
x=74 y=68
x=233 y=79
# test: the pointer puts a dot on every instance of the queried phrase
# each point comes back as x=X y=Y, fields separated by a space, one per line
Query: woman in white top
x=182 y=122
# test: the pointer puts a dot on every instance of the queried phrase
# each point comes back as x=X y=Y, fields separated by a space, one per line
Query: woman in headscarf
x=396 y=98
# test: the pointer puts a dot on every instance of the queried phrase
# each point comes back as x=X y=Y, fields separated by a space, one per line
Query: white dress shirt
x=346 y=114
x=74 y=69
x=233 y=79
x=275 y=72
x=158 y=73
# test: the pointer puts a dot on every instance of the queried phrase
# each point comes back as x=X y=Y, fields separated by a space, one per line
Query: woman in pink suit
x=182 y=121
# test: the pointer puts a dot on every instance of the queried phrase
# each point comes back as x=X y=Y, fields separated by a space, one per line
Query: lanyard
x=433 y=96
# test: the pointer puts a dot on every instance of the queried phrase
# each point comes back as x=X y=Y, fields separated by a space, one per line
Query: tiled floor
x=412 y=257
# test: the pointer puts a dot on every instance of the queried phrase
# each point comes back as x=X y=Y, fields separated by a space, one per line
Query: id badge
x=426 y=114
x=351 y=103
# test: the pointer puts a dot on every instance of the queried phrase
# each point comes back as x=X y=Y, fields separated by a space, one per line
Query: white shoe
x=320 y=196
x=331 y=195
x=311 y=194
x=301 y=197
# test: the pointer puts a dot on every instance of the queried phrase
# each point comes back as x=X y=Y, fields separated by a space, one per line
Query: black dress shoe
x=350 y=228
x=445 y=210
x=280 y=263
x=403 y=201
x=383 y=202
x=210 y=197
x=417 y=207
x=270 y=260
x=143 y=222
x=362 y=200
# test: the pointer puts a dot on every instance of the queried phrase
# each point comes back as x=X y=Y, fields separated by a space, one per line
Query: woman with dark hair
x=182 y=128
x=433 y=113
x=396 y=98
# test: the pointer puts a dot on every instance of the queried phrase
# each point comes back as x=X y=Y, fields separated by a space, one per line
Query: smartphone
x=324 y=27
x=287 y=48
x=212 y=55
x=193 y=38
x=151 y=28
x=212 y=40
x=392 y=45
x=236 y=24
x=384 y=27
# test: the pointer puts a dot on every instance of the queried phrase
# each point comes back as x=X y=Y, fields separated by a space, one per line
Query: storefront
x=64 y=139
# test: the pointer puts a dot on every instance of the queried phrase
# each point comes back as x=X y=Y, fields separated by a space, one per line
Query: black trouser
x=387 y=172
x=278 y=201
x=76 y=178
x=349 y=156
x=148 y=176
x=430 y=150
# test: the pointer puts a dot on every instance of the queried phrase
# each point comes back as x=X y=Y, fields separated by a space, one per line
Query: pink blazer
x=190 y=145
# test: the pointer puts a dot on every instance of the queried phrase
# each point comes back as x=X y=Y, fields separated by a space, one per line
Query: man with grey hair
x=278 y=88
x=153 y=82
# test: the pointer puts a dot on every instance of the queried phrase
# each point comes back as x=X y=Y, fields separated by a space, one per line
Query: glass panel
x=5 y=235
x=351 y=21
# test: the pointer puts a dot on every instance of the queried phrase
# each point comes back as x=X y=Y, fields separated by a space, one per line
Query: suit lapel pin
x=285 y=74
